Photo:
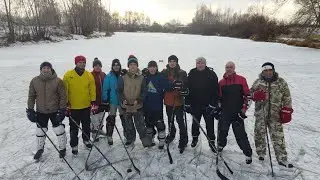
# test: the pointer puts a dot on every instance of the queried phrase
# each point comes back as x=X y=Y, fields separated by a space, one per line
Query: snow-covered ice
x=299 y=66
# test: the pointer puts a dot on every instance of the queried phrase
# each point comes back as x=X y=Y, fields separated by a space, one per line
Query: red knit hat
x=79 y=58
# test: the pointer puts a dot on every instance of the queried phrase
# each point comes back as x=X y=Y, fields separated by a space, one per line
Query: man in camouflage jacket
x=271 y=95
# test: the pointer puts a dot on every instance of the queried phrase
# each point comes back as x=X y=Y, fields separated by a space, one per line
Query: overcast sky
x=165 y=10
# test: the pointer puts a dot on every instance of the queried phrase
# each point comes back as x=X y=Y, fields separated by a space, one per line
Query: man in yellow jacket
x=81 y=95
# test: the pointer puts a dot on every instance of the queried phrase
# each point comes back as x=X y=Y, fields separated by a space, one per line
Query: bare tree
x=11 y=35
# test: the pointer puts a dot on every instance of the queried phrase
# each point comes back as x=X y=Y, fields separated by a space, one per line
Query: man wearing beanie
x=153 y=102
x=81 y=93
x=131 y=92
x=109 y=95
x=174 y=101
x=96 y=119
x=48 y=93
x=273 y=107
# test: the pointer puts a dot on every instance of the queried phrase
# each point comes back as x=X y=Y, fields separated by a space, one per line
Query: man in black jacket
x=202 y=99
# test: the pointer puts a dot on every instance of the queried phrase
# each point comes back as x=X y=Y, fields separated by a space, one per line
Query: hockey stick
x=134 y=166
x=170 y=125
x=94 y=140
x=57 y=150
x=197 y=121
x=70 y=117
x=221 y=176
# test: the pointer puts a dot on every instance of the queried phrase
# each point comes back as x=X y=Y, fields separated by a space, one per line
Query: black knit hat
x=152 y=64
x=96 y=62
x=46 y=63
x=173 y=57
x=267 y=65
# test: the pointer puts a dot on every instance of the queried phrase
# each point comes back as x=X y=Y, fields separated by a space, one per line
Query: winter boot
x=194 y=142
x=182 y=145
x=261 y=158
x=248 y=159
x=62 y=153
x=74 y=150
x=147 y=141
x=88 y=144
x=38 y=155
x=285 y=164
x=110 y=140
x=212 y=146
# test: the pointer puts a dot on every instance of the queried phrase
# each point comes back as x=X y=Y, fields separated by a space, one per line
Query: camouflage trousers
x=277 y=137
x=134 y=121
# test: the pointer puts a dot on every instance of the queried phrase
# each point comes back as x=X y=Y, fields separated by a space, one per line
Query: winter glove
x=217 y=113
x=242 y=115
x=145 y=72
x=177 y=85
x=259 y=95
x=61 y=115
x=286 y=114
x=210 y=109
x=94 y=108
x=123 y=72
x=68 y=111
x=32 y=115
x=105 y=106
x=188 y=108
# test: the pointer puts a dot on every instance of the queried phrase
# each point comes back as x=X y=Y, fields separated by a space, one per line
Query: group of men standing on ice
x=138 y=96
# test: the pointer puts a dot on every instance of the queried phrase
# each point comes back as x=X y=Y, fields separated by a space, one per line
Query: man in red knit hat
x=81 y=95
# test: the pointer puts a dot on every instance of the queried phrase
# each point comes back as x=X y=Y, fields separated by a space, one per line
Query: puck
x=129 y=170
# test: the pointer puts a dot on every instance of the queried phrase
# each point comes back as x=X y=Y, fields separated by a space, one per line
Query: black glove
x=177 y=85
x=242 y=115
x=123 y=72
x=105 y=106
x=210 y=109
x=32 y=115
x=188 y=108
x=145 y=72
x=217 y=113
x=61 y=114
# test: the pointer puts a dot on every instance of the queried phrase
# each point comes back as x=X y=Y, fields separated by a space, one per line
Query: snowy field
x=299 y=66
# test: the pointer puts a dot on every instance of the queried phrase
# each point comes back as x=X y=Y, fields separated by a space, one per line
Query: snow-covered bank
x=299 y=66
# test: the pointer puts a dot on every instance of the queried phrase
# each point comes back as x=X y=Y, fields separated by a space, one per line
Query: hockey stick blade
x=221 y=176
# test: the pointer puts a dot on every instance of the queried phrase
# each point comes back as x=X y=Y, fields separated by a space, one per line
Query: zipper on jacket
x=45 y=94
x=269 y=102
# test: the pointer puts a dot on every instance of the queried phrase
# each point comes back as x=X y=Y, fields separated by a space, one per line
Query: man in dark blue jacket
x=153 y=102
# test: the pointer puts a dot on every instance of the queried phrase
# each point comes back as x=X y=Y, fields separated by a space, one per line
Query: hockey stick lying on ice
x=95 y=146
x=218 y=155
x=58 y=150
x=134 y=166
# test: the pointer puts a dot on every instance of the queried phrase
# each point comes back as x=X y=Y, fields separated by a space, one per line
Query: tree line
x=25 y=20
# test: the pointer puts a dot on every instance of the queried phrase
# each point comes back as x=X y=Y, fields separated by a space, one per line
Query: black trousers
x=238 y=130
x=43 y=120
x=198 y=113
x=79 y=116
x=178 y=113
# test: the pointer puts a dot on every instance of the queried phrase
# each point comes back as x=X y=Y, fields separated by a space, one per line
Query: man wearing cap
x=81 y=93
x=233 y=91
x=153 y=102
x=202 y=99
x=174 y=101
x=48 y=93
x=109 y=95
x=273 y=107
x=98 y=76
x=131 y=92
